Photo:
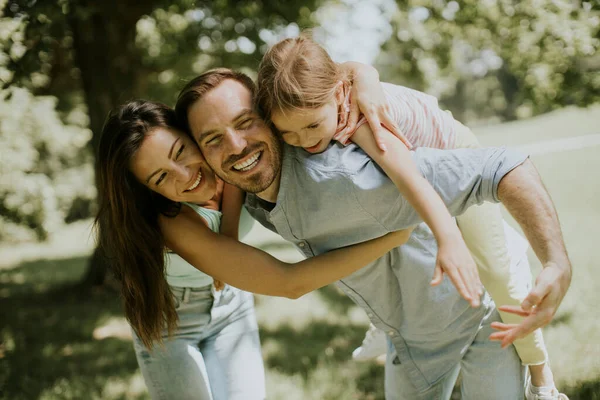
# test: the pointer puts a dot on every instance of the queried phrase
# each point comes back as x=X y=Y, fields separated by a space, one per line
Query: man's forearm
x=525 y=197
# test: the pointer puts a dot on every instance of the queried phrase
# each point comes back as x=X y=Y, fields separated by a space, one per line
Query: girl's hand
x=455 y=260
x=367 y=97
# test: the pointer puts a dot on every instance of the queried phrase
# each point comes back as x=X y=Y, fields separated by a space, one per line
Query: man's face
x=236 y=143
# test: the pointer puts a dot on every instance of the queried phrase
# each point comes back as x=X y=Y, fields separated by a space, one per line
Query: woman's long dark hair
x=127 y=221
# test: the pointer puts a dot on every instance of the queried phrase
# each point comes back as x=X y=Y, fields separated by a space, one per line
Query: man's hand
x=454 y=259
x=525 y=197
x=538 y=308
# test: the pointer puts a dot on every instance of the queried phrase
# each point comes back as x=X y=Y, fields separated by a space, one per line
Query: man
x=340 y=197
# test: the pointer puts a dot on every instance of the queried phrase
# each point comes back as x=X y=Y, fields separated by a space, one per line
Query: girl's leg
x=483 y=230
x=231 y=348
x=177 y=370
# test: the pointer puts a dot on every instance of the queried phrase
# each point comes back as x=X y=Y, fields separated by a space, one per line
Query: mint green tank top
x=180 y=273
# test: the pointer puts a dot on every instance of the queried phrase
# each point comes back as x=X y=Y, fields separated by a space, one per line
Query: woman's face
x=169 y=163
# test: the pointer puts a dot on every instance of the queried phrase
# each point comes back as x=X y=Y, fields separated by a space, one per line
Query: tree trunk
x=105 y=52
x=510 y=88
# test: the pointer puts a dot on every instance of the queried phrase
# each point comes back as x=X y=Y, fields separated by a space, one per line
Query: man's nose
x=237 y=141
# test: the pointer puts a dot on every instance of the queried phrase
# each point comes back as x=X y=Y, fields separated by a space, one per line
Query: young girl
x=157 y=192
x=306 y=96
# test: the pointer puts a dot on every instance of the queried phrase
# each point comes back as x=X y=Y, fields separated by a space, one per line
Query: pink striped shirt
x=418 y=116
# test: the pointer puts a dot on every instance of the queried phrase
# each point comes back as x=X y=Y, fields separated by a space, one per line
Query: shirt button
x=391 y=333
x=301 y=244
x=370 y=315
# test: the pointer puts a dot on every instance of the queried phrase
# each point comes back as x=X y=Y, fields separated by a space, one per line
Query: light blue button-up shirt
x=342 y=197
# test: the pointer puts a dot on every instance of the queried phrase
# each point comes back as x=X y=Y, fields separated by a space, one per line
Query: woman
x=150 y=175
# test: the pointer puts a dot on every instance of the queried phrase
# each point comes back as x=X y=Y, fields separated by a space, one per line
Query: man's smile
x=249 y=163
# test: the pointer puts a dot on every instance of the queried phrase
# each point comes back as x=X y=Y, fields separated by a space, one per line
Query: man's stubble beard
x=260 y=182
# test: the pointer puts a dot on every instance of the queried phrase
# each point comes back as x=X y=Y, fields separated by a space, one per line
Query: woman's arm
x=256 y=271
x=453 y=255
x=231 y=206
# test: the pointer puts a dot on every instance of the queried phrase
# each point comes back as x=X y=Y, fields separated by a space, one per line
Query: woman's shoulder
x=187 y=214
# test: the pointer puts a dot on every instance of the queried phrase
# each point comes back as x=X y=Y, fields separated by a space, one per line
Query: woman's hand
x=401 y=237
x=218 y=285
x=367 y=97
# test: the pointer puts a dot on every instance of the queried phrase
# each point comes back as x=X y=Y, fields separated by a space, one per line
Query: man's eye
x=180 y=151
x=214 y=140
x=162 y=178
x=246 y=124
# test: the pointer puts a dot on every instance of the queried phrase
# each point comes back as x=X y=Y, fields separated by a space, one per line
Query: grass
x=50 y=347
x=47 y=347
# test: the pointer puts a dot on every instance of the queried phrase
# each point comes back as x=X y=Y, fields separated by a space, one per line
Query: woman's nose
x=184 y=172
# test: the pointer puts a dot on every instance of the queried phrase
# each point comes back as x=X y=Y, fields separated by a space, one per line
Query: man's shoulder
x=337 y=158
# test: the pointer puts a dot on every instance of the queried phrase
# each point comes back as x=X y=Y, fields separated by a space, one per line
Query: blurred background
x=521 y=73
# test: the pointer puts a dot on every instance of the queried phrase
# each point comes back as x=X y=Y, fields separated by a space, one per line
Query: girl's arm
x=367 y=98
x=453 y=256
x=256 y=271
x=231 y=206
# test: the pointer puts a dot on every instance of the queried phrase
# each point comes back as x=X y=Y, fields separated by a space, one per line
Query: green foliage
x=35 y=42
x=178 y=43
x=484 y=59
x=174 y=41
x=497 y=57
x=46 y=174
x=136 y=50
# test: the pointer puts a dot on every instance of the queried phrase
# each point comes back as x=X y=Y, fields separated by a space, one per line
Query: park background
x=520 y=73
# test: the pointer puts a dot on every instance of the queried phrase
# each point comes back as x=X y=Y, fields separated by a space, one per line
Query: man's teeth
x=196 y=182
x=249 y=163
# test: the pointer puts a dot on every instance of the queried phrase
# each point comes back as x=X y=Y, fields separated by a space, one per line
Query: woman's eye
x=161 y=178
x=179 y=152
x=313 y=126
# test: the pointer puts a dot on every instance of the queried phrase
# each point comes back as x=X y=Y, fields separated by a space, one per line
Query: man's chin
x=258 y=185
x=252 y=183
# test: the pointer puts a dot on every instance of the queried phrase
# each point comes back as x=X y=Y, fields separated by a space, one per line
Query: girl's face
x=169 y=163
x=310 y=128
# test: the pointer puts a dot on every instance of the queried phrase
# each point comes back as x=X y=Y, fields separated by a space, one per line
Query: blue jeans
x=214 y=353
x=488 y=372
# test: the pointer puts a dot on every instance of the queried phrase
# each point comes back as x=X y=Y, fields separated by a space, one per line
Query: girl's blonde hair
x=295 y=73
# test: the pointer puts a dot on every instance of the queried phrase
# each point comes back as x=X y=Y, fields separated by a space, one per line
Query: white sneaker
x=374 y=346
x=552 y=394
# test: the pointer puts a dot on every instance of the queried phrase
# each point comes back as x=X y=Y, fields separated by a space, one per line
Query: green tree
x=497 y=57
x=45 y=177
x=100 y=54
